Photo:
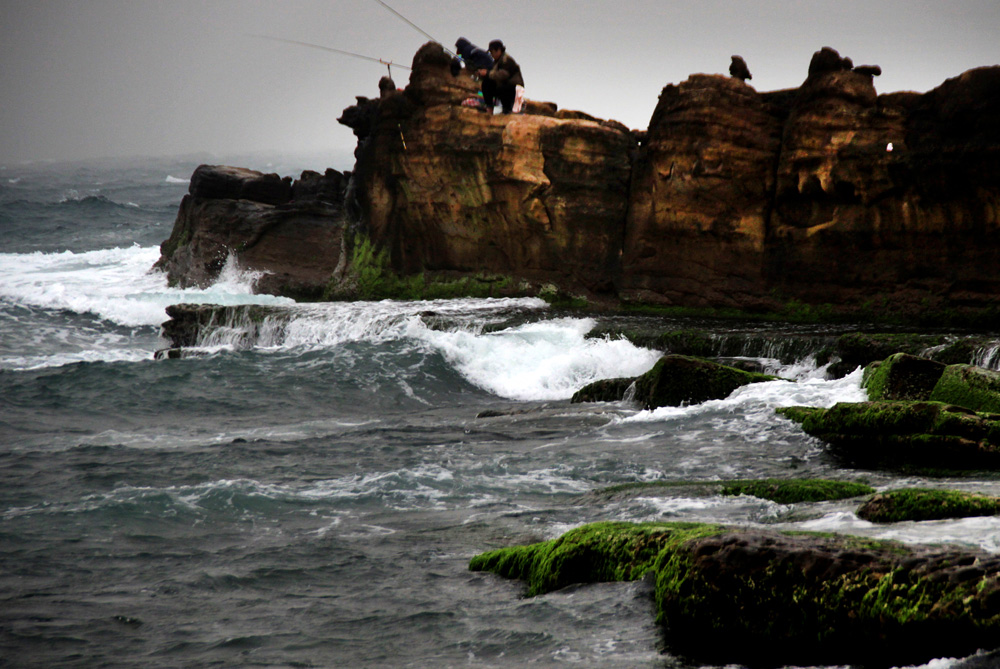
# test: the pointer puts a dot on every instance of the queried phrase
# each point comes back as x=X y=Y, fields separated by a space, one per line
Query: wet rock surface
x=767 y=598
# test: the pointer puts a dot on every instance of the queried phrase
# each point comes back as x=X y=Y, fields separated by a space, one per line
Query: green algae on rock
x=968 y=386
x=674 y=380
x=753 y=596
x=610 y=551
x=791 y=491
x=783 y=491
x=906 y=377
x=924 y=504
x=907 y=435
x=901 y=376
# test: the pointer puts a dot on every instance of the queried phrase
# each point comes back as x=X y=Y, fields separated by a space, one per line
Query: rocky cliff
x=828 y=194
x=448 y=188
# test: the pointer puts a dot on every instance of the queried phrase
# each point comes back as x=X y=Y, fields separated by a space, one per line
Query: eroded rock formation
x=288 y=232
x=828 y=194
x=448 y=188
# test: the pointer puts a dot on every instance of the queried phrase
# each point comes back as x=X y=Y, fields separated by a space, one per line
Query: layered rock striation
x=447 y=188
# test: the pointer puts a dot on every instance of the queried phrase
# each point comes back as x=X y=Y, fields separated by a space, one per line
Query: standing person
x=501 y=81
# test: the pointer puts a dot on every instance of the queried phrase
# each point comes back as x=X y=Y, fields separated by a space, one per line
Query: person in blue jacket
x=472 y=56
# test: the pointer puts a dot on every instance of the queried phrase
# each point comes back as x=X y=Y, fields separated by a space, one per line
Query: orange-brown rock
x=448 y=188
x=827 y=194
x=889 y=199
x=701 y=196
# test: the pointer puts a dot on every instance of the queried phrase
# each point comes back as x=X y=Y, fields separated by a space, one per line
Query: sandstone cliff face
x=448 y=188
x=734 y=198
x=912 y=228
x=746 y=199
x=701 y=196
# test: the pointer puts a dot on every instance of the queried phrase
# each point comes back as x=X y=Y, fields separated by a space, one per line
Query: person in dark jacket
x=474 y=58
x=501 y=81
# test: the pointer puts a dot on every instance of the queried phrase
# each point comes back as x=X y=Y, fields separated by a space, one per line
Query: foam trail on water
x=116 y=285
x=763 y=398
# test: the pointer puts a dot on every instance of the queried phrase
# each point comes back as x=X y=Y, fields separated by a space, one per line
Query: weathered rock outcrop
x=825 y=194
x=701 y=197
x=447 y=188
x=288 y=232
x=727 y=595
x=828 y=194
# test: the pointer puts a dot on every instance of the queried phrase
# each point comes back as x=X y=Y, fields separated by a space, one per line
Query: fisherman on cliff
x=502 y=80
x=471 y=56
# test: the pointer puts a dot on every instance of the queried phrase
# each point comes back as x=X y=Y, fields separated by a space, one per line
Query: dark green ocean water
x=313 y=498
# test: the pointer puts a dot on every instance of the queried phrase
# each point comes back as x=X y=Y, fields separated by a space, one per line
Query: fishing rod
x=388 y=63
x=417 y=28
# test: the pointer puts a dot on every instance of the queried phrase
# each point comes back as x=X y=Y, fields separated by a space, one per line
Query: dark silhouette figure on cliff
x=501 y=81
x=472 y=56
x=738 y=68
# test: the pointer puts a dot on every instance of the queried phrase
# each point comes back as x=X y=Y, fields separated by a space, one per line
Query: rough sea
x=313 y=499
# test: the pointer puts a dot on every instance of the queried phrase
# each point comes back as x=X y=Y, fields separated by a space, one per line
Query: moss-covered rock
x=905 y=435
x=760 y=597
x=676 y=380
x=971 y=387
x=687 y=342
x=783 y=491
x=923 y=504
x=611 y=551
x=791 y=491
x=605 y=390
x=860 y=349
x=902 y=377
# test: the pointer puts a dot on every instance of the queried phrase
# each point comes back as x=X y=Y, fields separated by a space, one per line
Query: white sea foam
x=176 y=180
x=981 y=532
x=762 y=398
x=540 y=361
x=545 y=360
x=116 y=285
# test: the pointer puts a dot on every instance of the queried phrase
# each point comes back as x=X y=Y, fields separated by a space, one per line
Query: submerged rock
x=920 y=504
x=782 y=491
x=201 y=324
x=791 y=491
x=729 y=595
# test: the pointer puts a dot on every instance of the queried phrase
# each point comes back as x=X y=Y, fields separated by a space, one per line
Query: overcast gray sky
x=97 y=78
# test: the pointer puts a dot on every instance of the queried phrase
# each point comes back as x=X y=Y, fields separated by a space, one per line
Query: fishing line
x=387 y=63
x=416 y=27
